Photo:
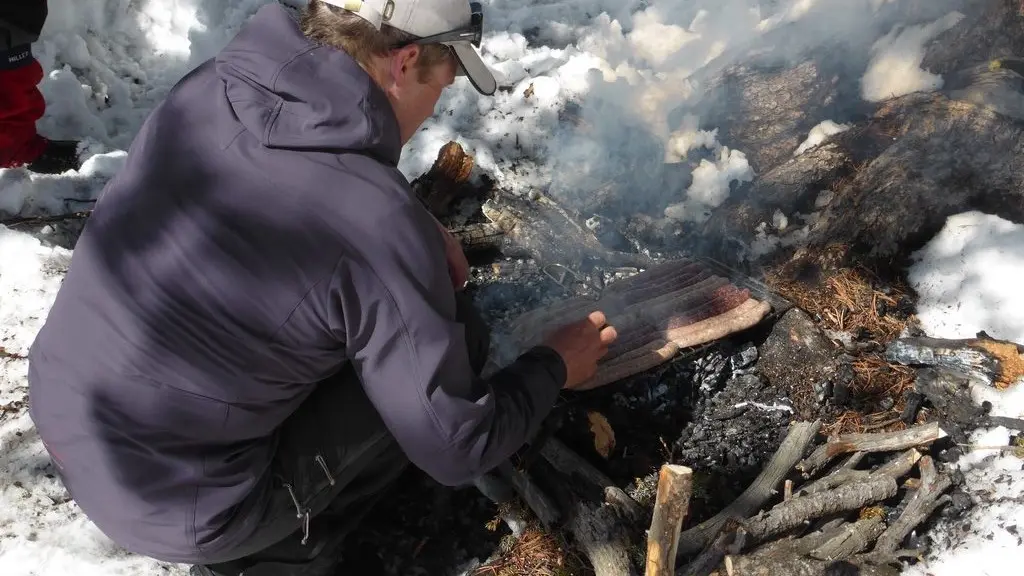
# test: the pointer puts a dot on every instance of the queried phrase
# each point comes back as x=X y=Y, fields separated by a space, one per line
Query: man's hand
x=458 y=266
x=581 y=344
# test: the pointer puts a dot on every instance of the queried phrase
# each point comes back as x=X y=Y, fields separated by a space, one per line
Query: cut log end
x=670 y=508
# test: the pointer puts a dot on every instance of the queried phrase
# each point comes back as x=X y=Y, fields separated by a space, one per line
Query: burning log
x=446 y=181
x=540 y=229
x=479 y=237
x=670 y=507
x=995 y=362
x=873 y=442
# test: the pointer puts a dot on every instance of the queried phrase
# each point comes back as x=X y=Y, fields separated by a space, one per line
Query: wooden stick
x=788 y=515
x=854 y=539
x=873 y=442
x=739 y=318
x=712 y=555
x=541 y=504
x=926 y=499
x=800 y=436
x=762 y=565
x=787 y=491
x=833 y=480
x=670 y=507
x=900 y=465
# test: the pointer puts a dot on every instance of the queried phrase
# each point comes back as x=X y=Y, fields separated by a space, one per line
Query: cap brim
x=479 y=74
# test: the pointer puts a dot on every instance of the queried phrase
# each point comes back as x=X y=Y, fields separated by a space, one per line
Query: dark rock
x=744 y=359
x=796 y=358
x=841 y=384
x=886 y=403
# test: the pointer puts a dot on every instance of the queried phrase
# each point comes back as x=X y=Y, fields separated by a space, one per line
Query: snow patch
x=819 y=134
x=968 y=278
x=895 y=68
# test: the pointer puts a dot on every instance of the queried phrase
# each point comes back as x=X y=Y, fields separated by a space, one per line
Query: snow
x=629 y=73
x=819 y=134
x=967 y=278
x=895 y=67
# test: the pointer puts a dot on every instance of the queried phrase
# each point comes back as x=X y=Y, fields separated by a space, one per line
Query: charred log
x=994 y=362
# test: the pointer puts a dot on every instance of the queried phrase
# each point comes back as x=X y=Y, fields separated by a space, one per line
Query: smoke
x=644 y=127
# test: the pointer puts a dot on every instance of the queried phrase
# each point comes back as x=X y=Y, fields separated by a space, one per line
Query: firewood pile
x=841 y=504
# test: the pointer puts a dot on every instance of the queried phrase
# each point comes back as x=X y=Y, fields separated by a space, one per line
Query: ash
x=735 y=422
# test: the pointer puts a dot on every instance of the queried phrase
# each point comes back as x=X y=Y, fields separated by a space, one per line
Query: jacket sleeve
x=397 y=315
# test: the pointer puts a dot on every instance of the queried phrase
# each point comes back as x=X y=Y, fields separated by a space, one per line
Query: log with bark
x=608 y=528
x=871 y=442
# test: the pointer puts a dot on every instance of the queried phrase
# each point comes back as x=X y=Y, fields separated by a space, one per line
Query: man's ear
x=403 y=63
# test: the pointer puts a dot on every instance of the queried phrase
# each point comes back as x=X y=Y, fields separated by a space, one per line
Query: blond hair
x=329 y=25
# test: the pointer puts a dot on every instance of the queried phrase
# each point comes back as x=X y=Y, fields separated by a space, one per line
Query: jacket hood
x=291 y=93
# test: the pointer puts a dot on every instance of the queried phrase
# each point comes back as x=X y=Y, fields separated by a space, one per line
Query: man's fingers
x=608 y=335
x=597 y=318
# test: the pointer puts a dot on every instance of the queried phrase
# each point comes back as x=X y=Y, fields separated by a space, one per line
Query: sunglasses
x=472 y=34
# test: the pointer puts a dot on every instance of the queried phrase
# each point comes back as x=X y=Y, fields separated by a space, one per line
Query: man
x=21 y=103
x=260 y=326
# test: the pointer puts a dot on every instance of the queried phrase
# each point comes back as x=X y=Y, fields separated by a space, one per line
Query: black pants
x=329 y=472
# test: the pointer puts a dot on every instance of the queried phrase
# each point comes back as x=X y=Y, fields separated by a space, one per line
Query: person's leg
x=21 y=103
x=331 y=467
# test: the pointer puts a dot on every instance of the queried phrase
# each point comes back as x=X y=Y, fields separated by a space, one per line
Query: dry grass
x=845 y=299
x=535 y=553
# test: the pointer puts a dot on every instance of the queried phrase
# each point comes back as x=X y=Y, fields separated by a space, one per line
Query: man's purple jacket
x=259 y=237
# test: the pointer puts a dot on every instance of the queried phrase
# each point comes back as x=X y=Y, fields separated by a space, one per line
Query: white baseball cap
x=455 y=23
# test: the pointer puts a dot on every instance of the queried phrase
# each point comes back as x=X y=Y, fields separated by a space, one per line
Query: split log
x=854 y=539
x=789 y=515
x=872 y=442
x=928 y=497
x=670 y=507
x=996 y=362
x=800 y=436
